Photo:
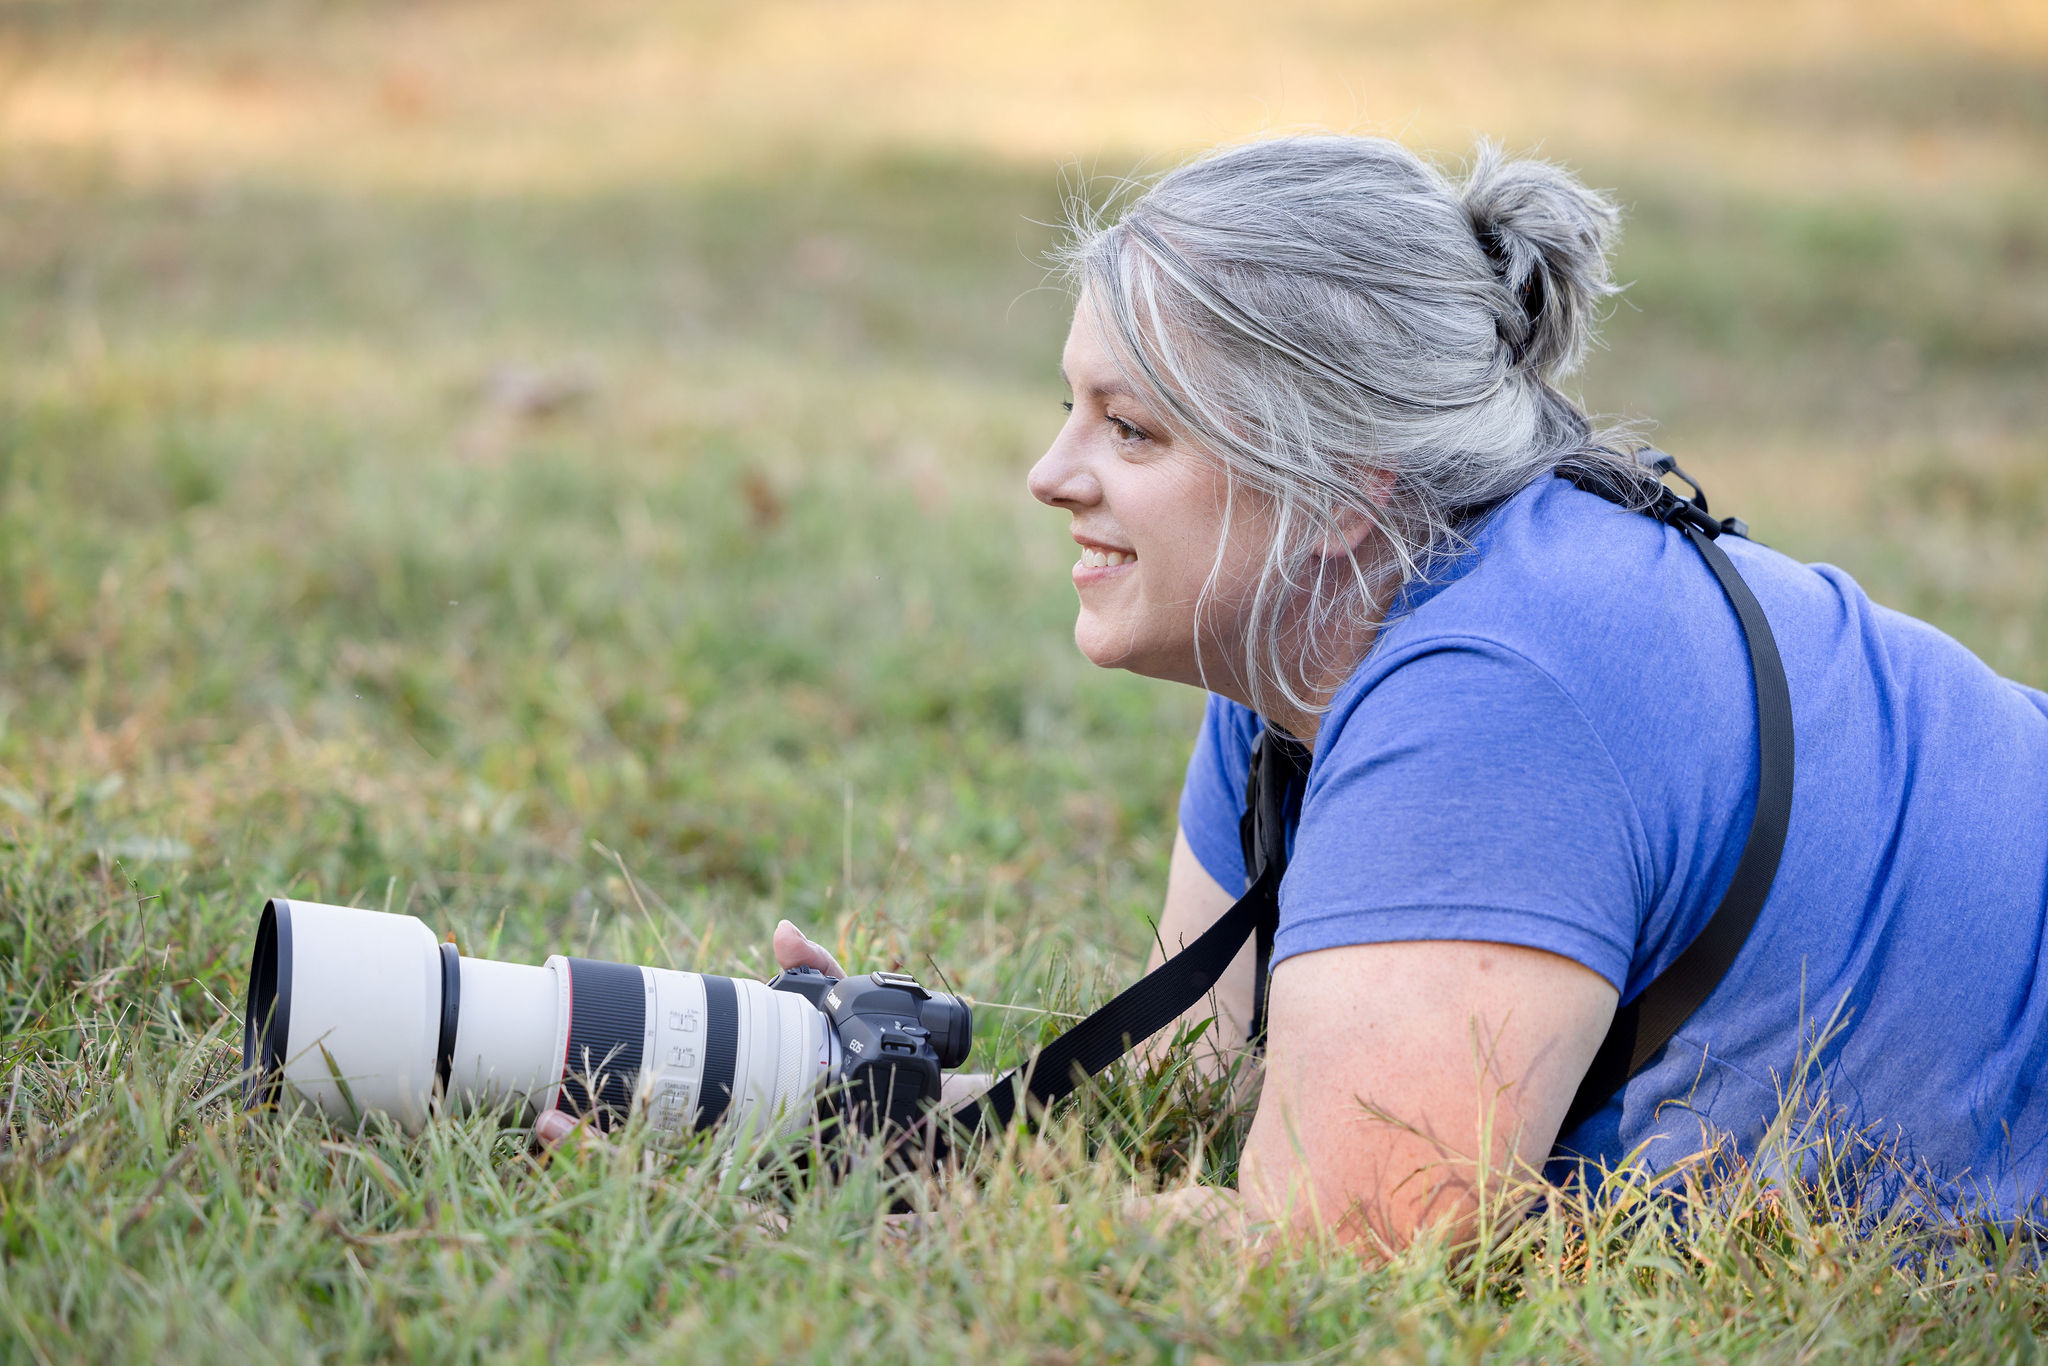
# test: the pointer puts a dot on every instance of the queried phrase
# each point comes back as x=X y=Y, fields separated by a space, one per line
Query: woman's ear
x=1349 y=530
x=1351 y=525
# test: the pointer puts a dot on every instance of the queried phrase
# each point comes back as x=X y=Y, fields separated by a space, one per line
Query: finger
x=794 y=950
x=555 y=1127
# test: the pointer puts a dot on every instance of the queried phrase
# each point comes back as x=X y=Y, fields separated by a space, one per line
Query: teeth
x=1092 y=558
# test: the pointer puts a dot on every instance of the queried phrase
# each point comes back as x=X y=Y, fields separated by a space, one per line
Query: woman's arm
x=1399 y=1076
x=1194 y=902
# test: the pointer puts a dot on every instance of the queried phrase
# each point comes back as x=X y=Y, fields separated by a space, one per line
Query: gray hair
x=1355 y=335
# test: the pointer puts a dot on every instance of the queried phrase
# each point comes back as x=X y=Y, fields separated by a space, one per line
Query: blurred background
x=559 y=469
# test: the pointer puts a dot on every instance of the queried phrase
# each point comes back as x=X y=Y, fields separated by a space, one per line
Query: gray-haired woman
x=1310 y=464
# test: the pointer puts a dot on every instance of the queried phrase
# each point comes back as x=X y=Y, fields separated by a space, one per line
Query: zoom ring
x=607 y=1030
x=721 y=1050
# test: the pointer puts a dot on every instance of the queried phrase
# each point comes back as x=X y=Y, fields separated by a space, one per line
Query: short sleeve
x=1466 y=796
x=1212 y=798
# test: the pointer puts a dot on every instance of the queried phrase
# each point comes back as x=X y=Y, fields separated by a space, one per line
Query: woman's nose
x=1062 y=481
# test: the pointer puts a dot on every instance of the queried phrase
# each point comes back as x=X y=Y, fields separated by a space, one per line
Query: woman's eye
x=1126 y=432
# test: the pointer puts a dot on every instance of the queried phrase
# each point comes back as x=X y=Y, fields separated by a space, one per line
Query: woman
x=1309 y=462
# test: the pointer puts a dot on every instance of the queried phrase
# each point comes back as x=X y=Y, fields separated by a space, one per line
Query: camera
x=364 y=1012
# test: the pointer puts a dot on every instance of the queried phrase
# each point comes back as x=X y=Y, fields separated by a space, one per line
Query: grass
x=412 y=496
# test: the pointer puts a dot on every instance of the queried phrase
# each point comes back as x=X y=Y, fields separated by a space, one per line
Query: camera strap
x=1274 y=783
x=1166 y=992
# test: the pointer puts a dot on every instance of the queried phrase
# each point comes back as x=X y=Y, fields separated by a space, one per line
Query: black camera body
x=895 y=1038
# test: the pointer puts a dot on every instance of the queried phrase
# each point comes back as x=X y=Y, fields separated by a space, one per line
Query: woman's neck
x=1302 y=725
x=1298 y=708
x=1344 y=654
x=1304 y=718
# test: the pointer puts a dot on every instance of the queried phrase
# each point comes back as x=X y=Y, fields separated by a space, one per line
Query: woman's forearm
x=1194 y=902
x=961 y=1087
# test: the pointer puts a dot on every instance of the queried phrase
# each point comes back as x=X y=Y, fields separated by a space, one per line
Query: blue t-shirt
x=1553 y=744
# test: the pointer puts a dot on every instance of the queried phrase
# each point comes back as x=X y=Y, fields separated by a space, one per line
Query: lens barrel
x=361 y=1012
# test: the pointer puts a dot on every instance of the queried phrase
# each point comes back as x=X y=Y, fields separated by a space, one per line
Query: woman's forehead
x=1105 y=383
x=1086 y=364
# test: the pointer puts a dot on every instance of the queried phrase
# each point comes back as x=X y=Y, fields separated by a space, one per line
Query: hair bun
x=1548 y=237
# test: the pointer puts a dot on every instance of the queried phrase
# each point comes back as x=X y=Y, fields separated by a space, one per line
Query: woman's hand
x=794 y=949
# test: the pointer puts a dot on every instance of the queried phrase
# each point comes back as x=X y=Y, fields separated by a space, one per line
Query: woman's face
x=1148 y=514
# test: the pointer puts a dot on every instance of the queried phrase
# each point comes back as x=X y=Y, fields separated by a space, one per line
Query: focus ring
x=607 y=1030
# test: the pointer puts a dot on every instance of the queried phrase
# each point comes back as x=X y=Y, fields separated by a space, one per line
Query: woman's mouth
x=1098 y=564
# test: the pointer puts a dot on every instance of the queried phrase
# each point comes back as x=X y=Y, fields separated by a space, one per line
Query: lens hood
x=345 y=1005
x=266 y=1015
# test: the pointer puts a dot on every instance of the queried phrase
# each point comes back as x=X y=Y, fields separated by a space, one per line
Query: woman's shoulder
x=1552 y=546
x=1587 y=593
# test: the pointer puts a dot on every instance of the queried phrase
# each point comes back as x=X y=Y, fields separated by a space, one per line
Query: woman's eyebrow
x=1117 y=390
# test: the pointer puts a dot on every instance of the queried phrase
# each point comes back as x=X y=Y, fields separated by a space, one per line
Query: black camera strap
x=1645 y=1024
x=1278 y=772
x=1163 y=994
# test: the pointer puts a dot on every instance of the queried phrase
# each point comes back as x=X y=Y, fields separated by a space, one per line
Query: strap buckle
x=1674 y=509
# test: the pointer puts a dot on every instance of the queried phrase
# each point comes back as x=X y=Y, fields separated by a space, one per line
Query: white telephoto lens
x=362 y=1012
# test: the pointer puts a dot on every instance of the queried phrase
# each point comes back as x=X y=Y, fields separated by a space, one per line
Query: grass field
x=565 y=479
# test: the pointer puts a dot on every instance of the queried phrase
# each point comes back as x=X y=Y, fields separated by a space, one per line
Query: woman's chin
x=1108 y=648
x=1102 y=647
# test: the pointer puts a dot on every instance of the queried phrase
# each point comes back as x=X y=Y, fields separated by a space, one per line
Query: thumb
x=793 y=950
